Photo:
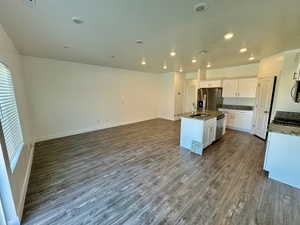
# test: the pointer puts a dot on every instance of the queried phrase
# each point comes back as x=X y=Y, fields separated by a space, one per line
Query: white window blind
x=9 y=116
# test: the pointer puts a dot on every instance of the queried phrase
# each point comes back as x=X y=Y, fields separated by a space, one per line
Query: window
x=9 y=116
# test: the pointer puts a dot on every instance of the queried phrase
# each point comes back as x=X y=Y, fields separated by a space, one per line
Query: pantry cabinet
x=239 y=88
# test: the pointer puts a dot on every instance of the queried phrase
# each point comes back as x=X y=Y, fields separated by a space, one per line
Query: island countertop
x=284 y=129
x=211 y=114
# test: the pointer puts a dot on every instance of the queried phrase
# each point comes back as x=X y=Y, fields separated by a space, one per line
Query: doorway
x=264 y=102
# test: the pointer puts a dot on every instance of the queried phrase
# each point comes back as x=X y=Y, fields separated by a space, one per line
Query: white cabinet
x=209 y=135
x=247 y=88
x=241 y=88
x=230 y=88
x=282 y=158
x=238 y=119
x=210 y=83
x=196 y=134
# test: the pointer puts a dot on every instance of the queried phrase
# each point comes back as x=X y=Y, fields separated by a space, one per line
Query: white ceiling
x=111 y=27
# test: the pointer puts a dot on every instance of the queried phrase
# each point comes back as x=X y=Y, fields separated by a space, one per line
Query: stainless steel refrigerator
x=213 y=99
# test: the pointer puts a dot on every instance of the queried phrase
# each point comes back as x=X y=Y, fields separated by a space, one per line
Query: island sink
x=200 y=115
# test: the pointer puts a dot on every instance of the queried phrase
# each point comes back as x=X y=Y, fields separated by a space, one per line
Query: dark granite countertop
x=286 y=123
x=212 y=114
x=237 y=107
x=284 y=129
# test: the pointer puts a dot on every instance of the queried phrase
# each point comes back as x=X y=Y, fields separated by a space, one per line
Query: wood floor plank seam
x=137 y=174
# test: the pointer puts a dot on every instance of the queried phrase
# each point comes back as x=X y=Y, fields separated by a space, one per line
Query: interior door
x=229 y=88
x=263 y=106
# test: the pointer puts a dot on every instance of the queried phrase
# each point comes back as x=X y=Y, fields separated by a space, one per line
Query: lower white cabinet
x=239 y=119
x=282 y=158
x=209 y=135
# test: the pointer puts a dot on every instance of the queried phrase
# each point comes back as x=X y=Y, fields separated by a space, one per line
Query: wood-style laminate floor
x=137 y=174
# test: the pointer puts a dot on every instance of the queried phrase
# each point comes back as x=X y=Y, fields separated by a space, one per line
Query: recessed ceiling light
x=251 y=58
x=165 y=67
x=181 y=69
x=200 y=7
x=194 y=60
x=203 y=52
x=139 y=42
x=77 y=20
x=143 y=62
x=208 y=65
x=243 y=50
x=228 y=36
x=173 y=53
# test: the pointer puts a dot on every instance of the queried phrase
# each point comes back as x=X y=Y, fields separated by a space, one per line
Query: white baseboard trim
x=88 y=129
x=166 y=118
x=239 y=129
x=21 y=203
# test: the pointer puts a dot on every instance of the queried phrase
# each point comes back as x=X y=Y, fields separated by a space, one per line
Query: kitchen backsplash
x=239 y=101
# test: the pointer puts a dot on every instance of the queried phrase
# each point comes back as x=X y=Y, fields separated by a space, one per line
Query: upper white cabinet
x=242 y=88
x=230 y=88
x=247 y=88
x=210 y=83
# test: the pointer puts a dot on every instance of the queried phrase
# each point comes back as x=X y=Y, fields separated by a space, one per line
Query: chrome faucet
x=194 y=108
x=204 y=103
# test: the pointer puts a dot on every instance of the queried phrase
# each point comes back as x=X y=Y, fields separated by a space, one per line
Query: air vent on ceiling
x=200 y=7
x=30 y=3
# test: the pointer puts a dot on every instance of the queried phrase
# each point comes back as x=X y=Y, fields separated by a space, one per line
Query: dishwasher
x=220 y=131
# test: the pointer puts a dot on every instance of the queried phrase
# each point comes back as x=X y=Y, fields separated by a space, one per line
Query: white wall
x=284 y=101
x=68 y=98
x=249 y=70
x=9 y=55
x=179 y=93
x=167 y=96
x=282 y=65
x=271 y=66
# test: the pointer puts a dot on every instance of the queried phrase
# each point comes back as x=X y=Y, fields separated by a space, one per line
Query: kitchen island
x=201 y=129
x=283 y=153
